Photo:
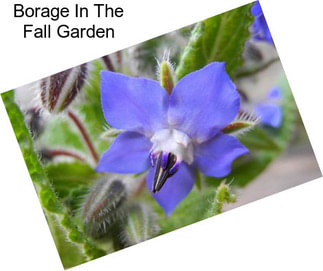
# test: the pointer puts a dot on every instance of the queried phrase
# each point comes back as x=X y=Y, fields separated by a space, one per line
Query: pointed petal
x=129 y=153
x=270 y=114
x=204 y=102
x=133 y=104
x=174 y=190
x=214 y=157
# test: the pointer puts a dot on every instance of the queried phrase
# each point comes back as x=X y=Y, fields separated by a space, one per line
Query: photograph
x=161 y=135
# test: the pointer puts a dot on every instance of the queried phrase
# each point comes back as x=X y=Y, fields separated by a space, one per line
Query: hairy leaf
x=35 y=169
x=70 y=253
x=60 y=133
x=192 y=209
x=220 y=38
x=66 y=177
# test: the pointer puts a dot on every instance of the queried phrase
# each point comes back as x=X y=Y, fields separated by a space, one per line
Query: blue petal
x=214 y=157
x=270 y=114
x=129 y=153
x=274 y=94
x=133 y=104
x=174 y=190
x=204 y=102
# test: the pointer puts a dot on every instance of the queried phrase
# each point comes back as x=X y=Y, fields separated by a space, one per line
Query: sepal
x=244 y=122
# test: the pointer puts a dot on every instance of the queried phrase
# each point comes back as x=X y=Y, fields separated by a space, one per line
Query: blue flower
x=259 y=28
x=270 y=111
x=171 y=135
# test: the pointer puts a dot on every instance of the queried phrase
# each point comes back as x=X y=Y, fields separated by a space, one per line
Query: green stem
x=254 y=69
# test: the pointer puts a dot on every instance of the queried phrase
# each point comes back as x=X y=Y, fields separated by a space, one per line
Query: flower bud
x=166 y=75
x=141 y=225
x=224 y=194
x=60 y=89
x=103 y=207
x=244 y=122
x=34 y=121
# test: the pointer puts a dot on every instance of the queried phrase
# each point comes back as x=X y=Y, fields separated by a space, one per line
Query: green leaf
x=60 y=132
x=65 y=177
x=49 y=200
x=70 y=253
x=259 y=139
x=198 y=205
x=192 y=209
x=220 y=38
x=35 y=169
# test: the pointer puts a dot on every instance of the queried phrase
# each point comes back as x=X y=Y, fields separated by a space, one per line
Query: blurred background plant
x=60 y=127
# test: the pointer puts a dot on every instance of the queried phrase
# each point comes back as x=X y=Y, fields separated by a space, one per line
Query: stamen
x=174 y=169
x=164 y=159
x=153 y=159
x=166 y=166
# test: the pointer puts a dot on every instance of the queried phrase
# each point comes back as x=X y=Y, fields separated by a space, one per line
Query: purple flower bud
x=60 y=89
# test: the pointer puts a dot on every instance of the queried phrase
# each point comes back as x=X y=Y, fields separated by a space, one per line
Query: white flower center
x=175 y=142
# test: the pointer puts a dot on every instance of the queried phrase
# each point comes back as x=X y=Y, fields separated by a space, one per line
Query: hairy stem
x=55 y=152
x=85 y=135
x=119 y=59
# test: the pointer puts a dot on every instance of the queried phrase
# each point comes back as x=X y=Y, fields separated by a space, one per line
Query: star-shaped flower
x=171 y=135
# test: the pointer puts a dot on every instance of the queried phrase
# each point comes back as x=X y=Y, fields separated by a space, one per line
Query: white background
x=281 y=232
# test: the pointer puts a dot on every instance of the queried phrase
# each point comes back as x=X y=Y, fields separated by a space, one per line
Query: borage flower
x=270 y=111
x=259 y=29
x=171 y=134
